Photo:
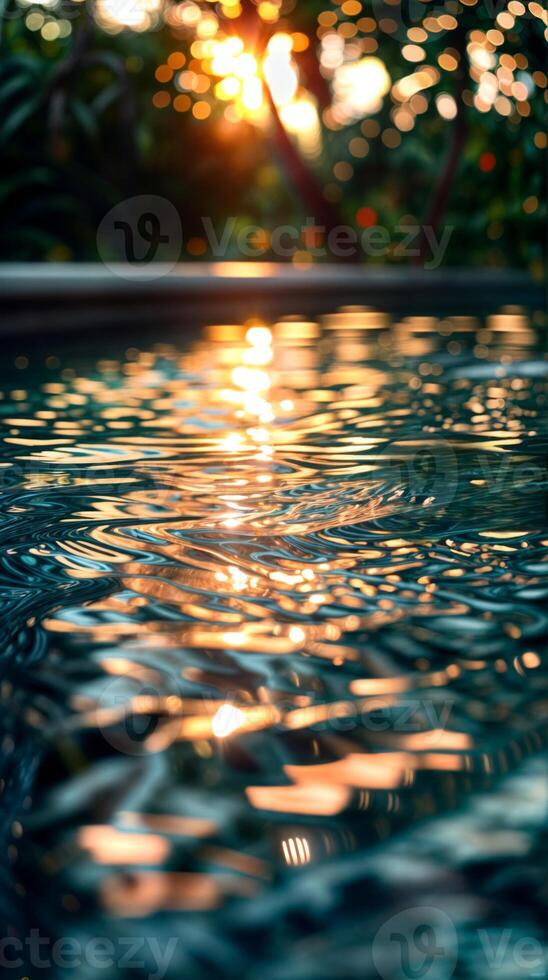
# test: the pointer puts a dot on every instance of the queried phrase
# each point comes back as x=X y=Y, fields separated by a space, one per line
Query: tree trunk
x=444 y=185
x=302 y=178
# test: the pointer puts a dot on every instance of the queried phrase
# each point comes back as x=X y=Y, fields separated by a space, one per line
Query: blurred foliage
x=79 y=132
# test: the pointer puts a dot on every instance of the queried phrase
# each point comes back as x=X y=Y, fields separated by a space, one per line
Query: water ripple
x=270 y=596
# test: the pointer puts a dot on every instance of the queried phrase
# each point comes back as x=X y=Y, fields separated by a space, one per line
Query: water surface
x=274 y=615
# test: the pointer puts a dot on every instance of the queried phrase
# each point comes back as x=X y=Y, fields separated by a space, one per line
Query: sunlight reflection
x=292 y=575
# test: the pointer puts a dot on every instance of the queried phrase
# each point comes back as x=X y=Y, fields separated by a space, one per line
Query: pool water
x=274 y=614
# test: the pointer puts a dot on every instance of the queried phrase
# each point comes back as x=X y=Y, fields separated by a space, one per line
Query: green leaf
x=84 y=117
x=26 y=179
x=16 y=84
x=107 y=97
x=17 y=118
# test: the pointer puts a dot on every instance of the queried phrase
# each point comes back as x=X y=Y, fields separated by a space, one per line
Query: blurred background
x=364 y=112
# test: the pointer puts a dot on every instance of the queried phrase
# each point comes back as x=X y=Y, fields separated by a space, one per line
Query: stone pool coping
x=45 y=298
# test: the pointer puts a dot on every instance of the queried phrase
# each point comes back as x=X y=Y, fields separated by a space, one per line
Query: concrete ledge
x=44 y=298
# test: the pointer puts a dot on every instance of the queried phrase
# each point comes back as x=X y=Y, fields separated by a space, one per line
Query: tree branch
x=301 y=177
x=444 y=185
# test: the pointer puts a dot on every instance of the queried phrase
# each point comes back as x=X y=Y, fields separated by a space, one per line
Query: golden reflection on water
x=300 y=565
